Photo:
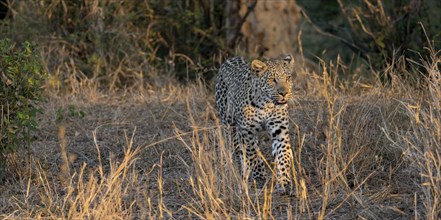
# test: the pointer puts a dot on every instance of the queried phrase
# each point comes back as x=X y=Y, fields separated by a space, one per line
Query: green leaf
x=379 y=41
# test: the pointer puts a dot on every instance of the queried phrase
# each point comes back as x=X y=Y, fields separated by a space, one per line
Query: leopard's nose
x=282 y=92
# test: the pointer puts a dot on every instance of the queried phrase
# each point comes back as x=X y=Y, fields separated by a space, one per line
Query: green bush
x=22 y=76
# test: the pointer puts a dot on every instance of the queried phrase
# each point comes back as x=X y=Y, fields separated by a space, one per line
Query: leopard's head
x=275 y=77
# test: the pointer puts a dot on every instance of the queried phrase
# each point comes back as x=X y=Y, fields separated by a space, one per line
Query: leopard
x=252 y=97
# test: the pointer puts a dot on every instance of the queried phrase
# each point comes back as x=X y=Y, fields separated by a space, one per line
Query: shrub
x=21 y=80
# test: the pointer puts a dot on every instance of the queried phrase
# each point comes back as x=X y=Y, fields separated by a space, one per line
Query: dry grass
x=364 y=151
x=156 y=149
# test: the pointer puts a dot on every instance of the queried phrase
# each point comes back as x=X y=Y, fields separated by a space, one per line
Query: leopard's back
x=232 y=77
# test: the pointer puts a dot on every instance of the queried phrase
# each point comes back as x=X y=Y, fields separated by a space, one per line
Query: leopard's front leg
x=250 y=156
x=281 y=148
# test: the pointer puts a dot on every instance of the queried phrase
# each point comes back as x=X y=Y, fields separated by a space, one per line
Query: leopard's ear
x=258 y=67
x=289 y=59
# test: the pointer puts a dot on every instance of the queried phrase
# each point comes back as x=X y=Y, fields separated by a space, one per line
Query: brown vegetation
x=121 y=138
x=364 y=151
